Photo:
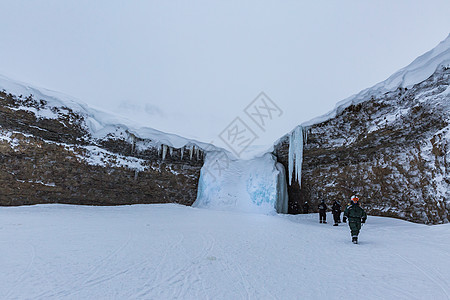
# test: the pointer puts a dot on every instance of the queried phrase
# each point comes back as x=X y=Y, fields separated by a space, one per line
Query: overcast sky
x=191 y=67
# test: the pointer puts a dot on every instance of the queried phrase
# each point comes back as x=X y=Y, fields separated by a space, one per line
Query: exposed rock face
x=393 y=150
x=57 y=160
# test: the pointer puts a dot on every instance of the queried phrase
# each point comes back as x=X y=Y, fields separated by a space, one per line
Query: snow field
x=176 y=252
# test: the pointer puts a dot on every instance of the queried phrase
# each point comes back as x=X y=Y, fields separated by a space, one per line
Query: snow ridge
x=417 y=71
x=99 y=123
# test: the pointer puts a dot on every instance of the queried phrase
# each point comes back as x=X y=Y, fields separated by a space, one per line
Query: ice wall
x=256 y=185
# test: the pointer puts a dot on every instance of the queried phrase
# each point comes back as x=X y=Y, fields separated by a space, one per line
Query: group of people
x=353 y=212
x=335 y=209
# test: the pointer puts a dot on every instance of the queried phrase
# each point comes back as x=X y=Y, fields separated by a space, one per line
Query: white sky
x=191 y=67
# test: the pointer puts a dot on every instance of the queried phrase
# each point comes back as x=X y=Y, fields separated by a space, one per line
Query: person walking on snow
x=356 y=215
x=336 y=209
x=323 y=212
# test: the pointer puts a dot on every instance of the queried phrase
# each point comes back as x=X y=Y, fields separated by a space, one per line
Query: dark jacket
x=323 y=207
x=355 y=213
x=305 y=207
x=336 y=208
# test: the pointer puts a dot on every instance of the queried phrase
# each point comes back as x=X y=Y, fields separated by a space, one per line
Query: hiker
x=305 y=207
x=356 y=215
x=336 y=209
x=323 y=212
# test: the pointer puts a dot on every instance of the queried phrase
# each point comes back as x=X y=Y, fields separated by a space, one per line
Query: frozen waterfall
x=296 y=140
x=257 y=185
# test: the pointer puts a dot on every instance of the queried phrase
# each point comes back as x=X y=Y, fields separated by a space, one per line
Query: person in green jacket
x=356 y=215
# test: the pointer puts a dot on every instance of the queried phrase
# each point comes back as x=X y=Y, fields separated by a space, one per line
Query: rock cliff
x=391 y=148
x=49 y=154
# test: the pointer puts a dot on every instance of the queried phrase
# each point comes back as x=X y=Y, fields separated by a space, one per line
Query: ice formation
x=191 y=151
x=296 y=140
x=282 y=191
x=133 y=142
x=257 y=185
x=164 y=152
x=197 y=153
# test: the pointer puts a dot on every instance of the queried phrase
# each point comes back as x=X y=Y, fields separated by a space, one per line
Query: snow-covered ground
x=176 y=252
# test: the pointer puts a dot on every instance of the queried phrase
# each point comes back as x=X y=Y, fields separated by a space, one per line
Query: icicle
x=291 y=158
x=197 y=153
x=164 y=151
x=305 y=135
x=191 y=150
x=170 y=151
x=296 y=154
x=136 y=173
x=299 y=155
x=181 y=151
x=131 y=137
x=282 y=191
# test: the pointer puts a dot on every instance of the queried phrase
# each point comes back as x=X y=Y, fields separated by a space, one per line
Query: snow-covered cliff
x=389 y=144
x=53 y=148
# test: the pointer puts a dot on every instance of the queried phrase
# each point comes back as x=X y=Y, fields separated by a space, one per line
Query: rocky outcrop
x=48 y=155
x=393 y=150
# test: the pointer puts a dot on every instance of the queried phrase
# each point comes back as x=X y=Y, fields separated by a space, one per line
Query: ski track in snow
x=177 y=252
x=430 y=276
x=21 y=277
x=150 y=284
